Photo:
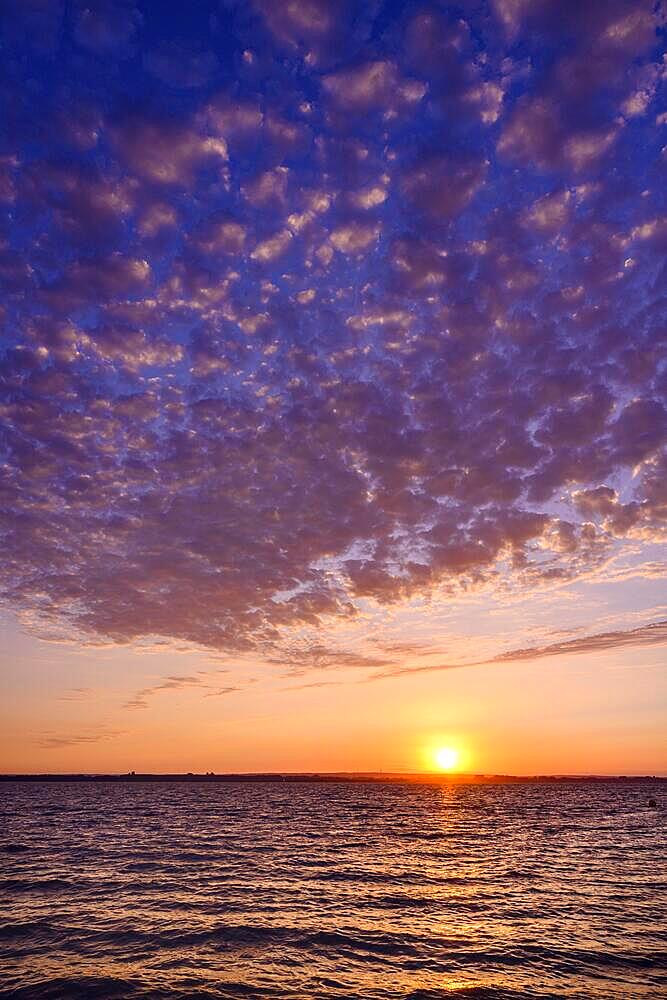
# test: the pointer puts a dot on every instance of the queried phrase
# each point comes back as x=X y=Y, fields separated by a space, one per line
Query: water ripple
x=308 y=891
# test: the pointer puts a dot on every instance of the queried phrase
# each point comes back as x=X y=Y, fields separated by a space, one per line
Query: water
x=332 y=890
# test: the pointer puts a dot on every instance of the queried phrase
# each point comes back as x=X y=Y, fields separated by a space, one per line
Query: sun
x=446 y=758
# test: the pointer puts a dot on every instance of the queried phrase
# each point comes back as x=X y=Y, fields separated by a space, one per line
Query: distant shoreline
x=343 y=777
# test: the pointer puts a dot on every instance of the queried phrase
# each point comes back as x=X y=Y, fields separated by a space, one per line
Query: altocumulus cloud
x=338 y=305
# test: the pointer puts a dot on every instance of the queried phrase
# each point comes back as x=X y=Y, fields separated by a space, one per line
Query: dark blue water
x=245 y=890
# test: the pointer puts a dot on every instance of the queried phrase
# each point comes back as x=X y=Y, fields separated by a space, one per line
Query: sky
x=333 y=385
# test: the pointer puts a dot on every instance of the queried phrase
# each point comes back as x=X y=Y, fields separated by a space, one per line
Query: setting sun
x=446 y=758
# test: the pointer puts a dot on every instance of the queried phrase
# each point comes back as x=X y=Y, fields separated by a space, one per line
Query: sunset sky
x=333 y=367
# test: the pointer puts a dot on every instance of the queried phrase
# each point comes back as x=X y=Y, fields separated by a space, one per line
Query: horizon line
x=326 y=775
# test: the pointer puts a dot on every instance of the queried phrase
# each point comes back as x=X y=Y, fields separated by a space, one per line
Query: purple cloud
x=347 y=315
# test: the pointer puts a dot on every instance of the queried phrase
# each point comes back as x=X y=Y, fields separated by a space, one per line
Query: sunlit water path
x=177 y=890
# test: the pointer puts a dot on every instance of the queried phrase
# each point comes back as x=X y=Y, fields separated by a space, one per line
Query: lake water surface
x=188 y=890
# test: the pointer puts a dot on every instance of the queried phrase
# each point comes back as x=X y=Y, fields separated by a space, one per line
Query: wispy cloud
x=76 y=694
x=305 y=658
x=653 y=634
x=58 y=742
x=176 y=682
x=314 y=684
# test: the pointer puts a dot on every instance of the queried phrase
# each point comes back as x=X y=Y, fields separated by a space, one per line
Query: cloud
x=239 y=122
x=100 y=279
x=439 y=187
x=175 y=682
x=165 y=153
x=354 y=237
x=220 y=235
x=440 y=49
x=156 y=218
x=313 y=684
x=319 y=29
x=268 y=189
x=305 y=658
x=549 y=213
x=274 y=246
x=62 y=742
x=538 y=132
x=348 y=318
x=368 y=198
x=298 y=22
x=571 y=121
x=8 y=166
x=371 y=85
x=76 y=694
x=653 y=634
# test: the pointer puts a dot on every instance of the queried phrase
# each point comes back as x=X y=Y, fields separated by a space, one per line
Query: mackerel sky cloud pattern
x=319 y=303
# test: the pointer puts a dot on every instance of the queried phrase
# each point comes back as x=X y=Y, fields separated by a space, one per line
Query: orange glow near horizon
x=64 y=711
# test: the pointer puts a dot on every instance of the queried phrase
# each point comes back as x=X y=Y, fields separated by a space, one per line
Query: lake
x=337 y=890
